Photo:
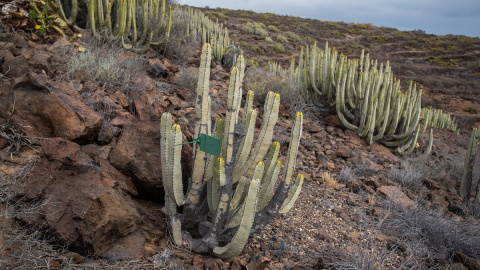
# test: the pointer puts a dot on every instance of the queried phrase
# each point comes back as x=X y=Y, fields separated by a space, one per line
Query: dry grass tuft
x=329 y=181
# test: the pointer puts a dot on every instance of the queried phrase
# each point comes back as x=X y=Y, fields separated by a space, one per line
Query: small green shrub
x=293 y=36
x=359 y=32
x=282 y=39
x=268 y=39
x=355 y=46
x=248 y=29
x=439 y=62
x=453 y=48
x=470 y=109
x=338 y=34
x=273 y=28
x=380 y=39
x=255 y=28
x=279 y=48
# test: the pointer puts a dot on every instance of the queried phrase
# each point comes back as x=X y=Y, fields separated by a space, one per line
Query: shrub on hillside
x=282 y=39
x=107 y=64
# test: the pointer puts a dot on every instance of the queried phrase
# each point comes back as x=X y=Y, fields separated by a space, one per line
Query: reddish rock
x=259 y=264
x=431 y=184
x=146 y=109
x=311 y=127
x=40 y=60
x=344 y=151
x=332 y=121
x=79 y=204
x=383 y=153
x=161 y=67
x=137 y=154
x=215 y=264
x=198 y=263
x=16 y=66
x=48 y=108
x=372 y=182
x=353 y=185
x=394 y=193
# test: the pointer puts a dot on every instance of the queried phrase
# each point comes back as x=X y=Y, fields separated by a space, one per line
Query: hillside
x=447 y=67
x=81 y=183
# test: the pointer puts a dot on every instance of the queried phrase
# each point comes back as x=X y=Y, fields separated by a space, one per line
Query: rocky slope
x=88 y=174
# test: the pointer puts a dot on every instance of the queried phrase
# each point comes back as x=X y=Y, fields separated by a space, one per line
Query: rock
x=259 y=263
x=353 y=138
x=198 y=263
x=469 y=262
x=458 y=266
x=353 y=185
x=311 y=127
x=380 y=212
x=146 y=109
x=332 y=121
x=353 y=198
x=324 y=237
x=74 y=257
x=79 y=204
x=40 y=60
x=65 y=116
x=393 y=243
x=437 y=198
x=105 y=135
x=382 y=153
x=215 y=264
x=430 y=183
x=344 y=151
x=161 y=67
x=372 y=182
x=394 y=193
x=137 y=154
x=15 y=67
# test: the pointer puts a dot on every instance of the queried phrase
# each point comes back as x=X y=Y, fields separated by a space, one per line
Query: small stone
x=198 y=262
x=74 y=257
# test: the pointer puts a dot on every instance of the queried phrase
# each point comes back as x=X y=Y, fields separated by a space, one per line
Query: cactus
x=367 y=98
x=466 y=182
x=236 y=189
x=117 y=19
x=206 y=31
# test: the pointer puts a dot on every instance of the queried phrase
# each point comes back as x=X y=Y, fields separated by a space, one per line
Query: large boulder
x=47 y=108
x=137 y=154
x=81 y=204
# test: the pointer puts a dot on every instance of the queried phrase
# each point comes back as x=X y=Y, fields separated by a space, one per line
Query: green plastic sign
x=208 y=144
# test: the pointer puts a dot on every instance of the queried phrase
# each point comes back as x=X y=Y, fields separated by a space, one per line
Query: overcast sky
x=439 y=17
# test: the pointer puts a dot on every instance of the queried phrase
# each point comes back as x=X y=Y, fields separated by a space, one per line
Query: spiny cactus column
x=206 y=31
x=117 y=19
x=368 y=99
x=466 y=182
x=236 y=189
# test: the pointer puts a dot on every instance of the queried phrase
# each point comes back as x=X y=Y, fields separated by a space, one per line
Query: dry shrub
x=427 y=234
x=262 y=81
x=180 y=46
x=329 y=181
x=188 y=78
x=108 y=64
x=346 y=174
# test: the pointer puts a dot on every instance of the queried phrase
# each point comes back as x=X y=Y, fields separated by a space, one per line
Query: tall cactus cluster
x=367 y=98
x=466 y=182
x=205 y=30
x=134 y=22
x=234 y=194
